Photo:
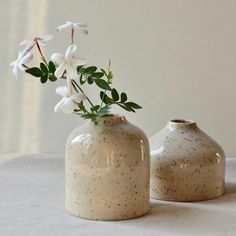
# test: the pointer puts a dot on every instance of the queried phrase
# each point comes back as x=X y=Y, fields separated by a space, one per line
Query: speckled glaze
x=107 y=170
x=186 y=164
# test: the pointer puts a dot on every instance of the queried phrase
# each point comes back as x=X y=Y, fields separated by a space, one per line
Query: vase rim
x=112 y=119
x=182 y=123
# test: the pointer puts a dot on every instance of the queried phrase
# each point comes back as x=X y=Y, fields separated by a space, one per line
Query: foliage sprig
x=77 y=74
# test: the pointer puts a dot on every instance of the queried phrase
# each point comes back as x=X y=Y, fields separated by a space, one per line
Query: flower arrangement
x=74 y=70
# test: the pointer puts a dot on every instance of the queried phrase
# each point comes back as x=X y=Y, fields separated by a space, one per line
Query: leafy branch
x=91 y=75
x=45 y=72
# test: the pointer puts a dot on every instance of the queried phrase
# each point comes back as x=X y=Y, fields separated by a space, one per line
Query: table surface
x=32 y=203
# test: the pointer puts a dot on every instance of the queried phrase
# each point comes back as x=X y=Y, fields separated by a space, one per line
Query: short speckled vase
x=107 y=169
x=186 y=164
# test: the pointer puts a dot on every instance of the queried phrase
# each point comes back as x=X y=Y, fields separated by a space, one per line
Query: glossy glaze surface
x=107 y=170
x=186 y=164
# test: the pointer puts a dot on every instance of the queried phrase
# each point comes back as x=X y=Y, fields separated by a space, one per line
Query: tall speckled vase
x=107 y=169
x=186 y=164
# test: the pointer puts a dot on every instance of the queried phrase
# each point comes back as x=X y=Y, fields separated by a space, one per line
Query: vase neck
x=182 y=124
x=112 y=120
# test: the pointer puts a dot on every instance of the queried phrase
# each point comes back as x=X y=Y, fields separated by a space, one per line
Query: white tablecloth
x=32 y=203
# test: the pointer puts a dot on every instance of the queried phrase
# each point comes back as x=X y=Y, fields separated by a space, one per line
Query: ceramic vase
x=186 y=164
x=107 y=168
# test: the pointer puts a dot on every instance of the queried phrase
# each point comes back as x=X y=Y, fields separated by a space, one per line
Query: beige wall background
x=177 y=58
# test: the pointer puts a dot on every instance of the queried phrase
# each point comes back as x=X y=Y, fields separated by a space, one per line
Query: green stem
x=103 y=98
x=25 y=66
x=72 y=35
x=41 y=53
x=81 y=90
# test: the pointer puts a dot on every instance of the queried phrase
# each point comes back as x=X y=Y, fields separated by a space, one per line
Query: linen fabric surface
x=32 y=203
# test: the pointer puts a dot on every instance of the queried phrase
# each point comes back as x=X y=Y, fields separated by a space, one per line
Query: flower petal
x=26 y=59
x=26 y=42
x=21 y=54
x=70 y=51
x=64 y=26
x=58 y=106
x=81 y=27
x=60 y=70
x=46 y=38
x=62 y=91
x=15 y=72
x=29 y=44
x=13 y=63
x=79 y=97
x=71 y=72
x=68 y=105
x=84 y=31
x=23 y=57
x=58 y=58
x=21 y=67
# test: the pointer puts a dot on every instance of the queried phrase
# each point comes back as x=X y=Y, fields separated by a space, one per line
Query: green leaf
x=82 y=80
x=35 y=71
x=125 y=107
x=79 y=69
x=95 y=108
x=102 y=84
x=109 y=100
x=123 y=97
x=92 y=116
x=97 y=75
x=105 y=98
x=110 y=76
x=52 y=78
x=90 y=80
x=104 y=72
x=52 y=67
x=104 y=111
x=133 y=105
x=90 y=70
x=43 y=68
x=89 y=116
x=102 y=95
x=44 y=78
x=115 y=95
x=81 y=106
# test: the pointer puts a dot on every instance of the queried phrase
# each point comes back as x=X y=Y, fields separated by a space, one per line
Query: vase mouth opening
x=182 y=123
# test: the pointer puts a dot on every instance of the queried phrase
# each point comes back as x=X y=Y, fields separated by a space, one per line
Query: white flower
x=42 y=41
x=78 y=97
x=67 y=62
x=23 y=58
x=79 y=26
x=68 y=102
